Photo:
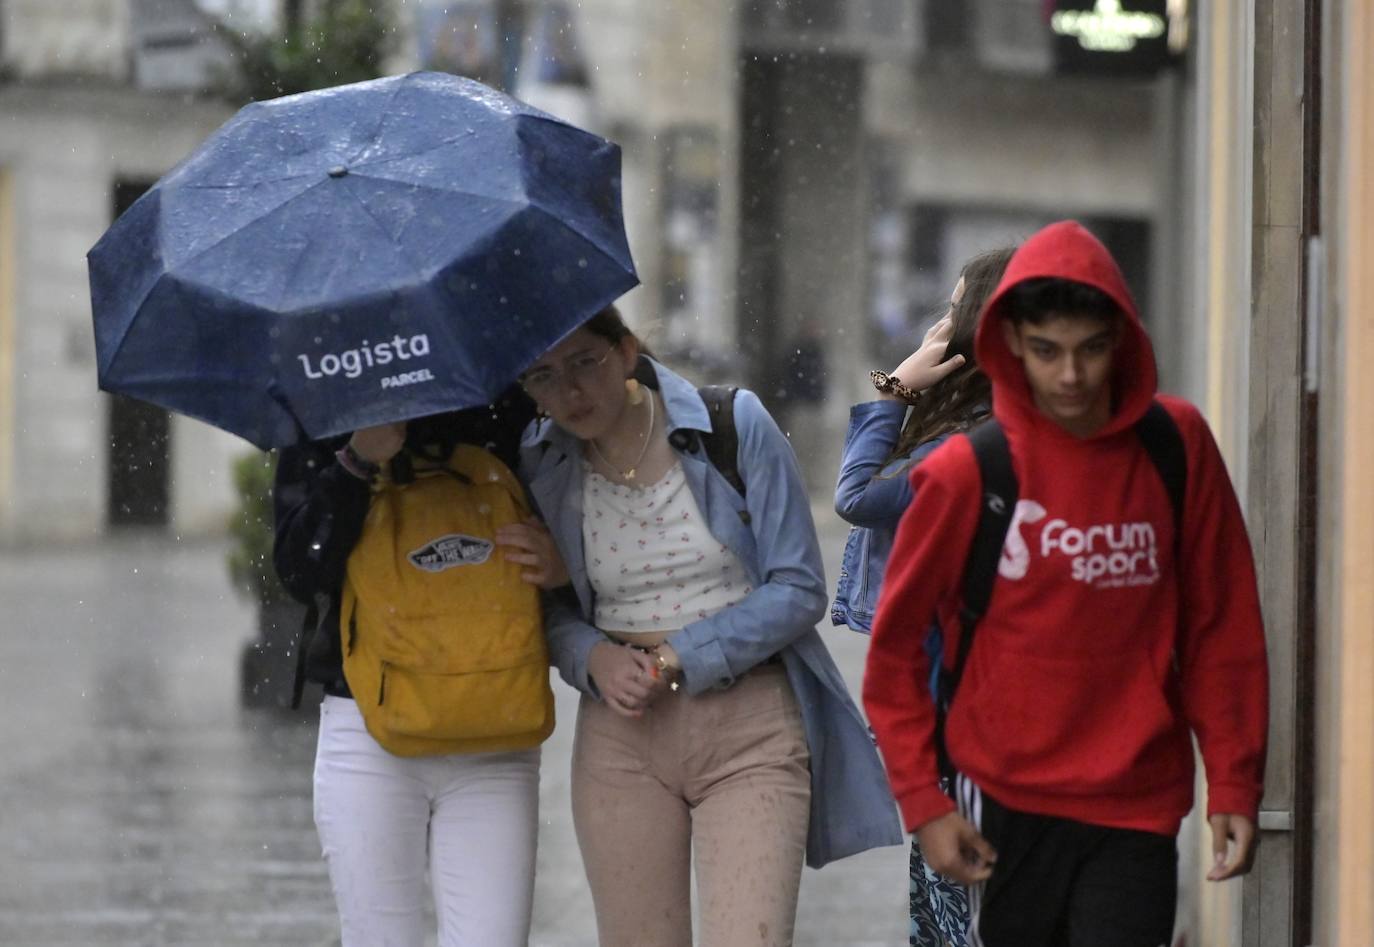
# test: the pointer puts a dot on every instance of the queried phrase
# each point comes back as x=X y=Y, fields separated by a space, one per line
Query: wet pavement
x=141 y=804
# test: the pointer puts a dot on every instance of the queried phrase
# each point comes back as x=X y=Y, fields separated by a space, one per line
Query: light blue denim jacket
x=871 y=495
x=851 y=806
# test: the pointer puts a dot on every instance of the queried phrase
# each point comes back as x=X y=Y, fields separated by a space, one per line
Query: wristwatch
x=666 y=669
x=889 y=385
x=350 y=460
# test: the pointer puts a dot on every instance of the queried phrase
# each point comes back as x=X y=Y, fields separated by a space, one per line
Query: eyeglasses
x=578 y=370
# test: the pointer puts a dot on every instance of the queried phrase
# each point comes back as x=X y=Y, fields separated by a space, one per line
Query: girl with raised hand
x=937 y=390
x=713 y=725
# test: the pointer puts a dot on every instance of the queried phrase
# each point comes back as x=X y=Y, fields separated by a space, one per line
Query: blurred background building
x=802 y=179
x=99 y=98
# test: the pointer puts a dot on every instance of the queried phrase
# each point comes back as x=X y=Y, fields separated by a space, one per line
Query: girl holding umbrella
x=467 y=819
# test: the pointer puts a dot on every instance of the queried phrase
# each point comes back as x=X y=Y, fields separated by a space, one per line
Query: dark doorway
x=800 y=153
x=760 y=214
x=1129 y=239
x=1309 y=497
x=139 y=436
x=138 y=466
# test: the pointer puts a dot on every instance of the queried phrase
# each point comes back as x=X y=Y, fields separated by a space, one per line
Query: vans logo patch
x=446 y=552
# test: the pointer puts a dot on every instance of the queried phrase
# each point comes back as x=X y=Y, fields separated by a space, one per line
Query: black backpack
x=721 y=443
x=1162 y=442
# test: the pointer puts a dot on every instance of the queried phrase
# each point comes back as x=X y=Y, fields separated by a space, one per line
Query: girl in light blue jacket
x=714 y=726
x=937 y=390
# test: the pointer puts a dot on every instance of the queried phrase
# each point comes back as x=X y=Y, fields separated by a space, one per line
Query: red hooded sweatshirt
x=1105 y=640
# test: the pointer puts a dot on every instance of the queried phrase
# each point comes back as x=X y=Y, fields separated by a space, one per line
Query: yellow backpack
x=443 y=642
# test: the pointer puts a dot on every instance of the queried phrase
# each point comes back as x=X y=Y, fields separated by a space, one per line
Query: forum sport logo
x=369 y=356
x=1103 y=555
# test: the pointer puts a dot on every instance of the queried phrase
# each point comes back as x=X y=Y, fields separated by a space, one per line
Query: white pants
x=471 y=819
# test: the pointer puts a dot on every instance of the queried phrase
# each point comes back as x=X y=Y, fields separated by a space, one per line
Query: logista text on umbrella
x=352 y=362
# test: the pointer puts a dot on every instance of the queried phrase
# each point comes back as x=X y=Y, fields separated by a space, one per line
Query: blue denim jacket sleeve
x=862 y=496
x=571 y=640
x=790 y=597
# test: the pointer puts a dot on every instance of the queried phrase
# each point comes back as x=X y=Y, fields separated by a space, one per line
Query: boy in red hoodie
x=1106 y=641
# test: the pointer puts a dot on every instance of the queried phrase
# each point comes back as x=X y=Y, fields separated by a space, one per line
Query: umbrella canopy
x=358 y=255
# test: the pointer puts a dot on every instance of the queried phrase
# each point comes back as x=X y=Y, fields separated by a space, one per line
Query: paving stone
x=141 y=805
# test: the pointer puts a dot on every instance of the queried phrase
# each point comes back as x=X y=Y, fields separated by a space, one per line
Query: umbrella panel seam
x=416 y=269
x=381 y=122
x=244 y=226
x=245 y=185
x=441 y=190
x=577 y=231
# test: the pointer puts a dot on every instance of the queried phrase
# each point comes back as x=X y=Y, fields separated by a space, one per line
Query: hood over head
x=1068 y=251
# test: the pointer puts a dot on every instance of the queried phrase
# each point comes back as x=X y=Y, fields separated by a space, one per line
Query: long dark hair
x=610 y=325
x=959 y=399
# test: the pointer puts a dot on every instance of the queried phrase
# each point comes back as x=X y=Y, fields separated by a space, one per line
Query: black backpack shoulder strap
x=722 y=442
x=308 y=627
x=998 y=502
x=1162 y=441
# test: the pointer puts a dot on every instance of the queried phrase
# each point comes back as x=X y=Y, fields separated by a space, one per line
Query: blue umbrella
x=358 y=255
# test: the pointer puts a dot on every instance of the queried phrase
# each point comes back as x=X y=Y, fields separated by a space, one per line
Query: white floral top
x=652 y=563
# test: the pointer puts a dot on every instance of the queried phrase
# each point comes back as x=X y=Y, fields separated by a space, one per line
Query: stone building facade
x=797 y=174
x=99 y=98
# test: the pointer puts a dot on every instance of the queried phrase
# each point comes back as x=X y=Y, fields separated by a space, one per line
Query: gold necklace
x=629 y=475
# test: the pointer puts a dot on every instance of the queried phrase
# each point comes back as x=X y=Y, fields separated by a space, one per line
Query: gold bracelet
x=666 y=669
x=889 y=385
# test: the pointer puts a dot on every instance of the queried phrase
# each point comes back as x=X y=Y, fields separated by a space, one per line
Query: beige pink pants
x=725 y=774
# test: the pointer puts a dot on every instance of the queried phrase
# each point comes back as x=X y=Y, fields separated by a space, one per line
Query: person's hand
x=953 y=848
x=379 y=444
x=928 y=365
x=1227 y=828
x=625 y=677
x=533 y=546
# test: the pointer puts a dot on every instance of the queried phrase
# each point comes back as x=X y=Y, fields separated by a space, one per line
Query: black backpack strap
x=998 y=502
x=1162 y=441
x=308 y=624
x=722 y=442
x=999 y=493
